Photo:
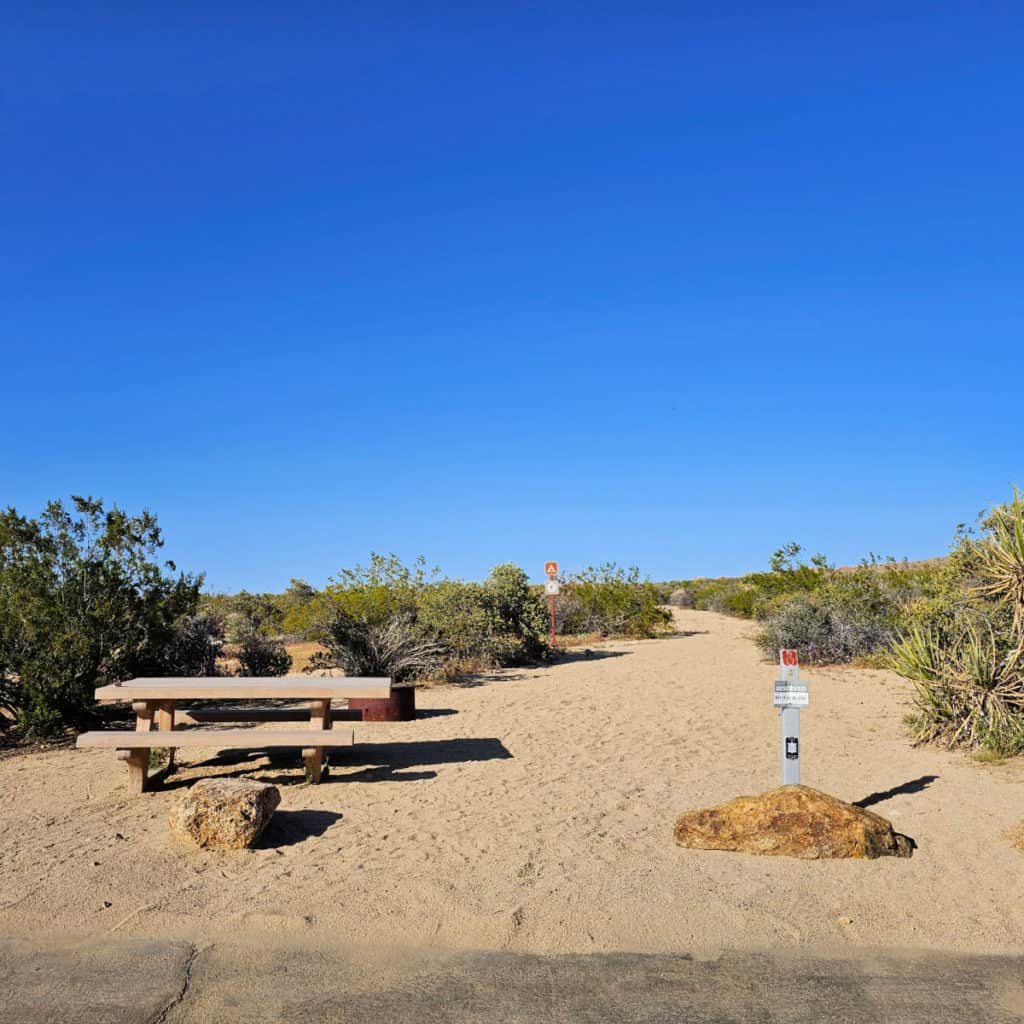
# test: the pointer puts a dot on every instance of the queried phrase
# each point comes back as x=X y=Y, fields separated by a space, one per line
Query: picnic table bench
x=160 y=723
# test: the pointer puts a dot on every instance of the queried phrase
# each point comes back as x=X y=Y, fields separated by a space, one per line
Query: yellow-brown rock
x=1015 y=836
x=792 y=821
x=226 y=814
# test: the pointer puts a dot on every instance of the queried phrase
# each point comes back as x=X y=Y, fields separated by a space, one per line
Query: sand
x=533 y=811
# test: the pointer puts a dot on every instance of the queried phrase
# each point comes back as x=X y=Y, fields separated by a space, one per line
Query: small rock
x=227 y=814
x=846 y=921
x=792 y=821
x=107 y=904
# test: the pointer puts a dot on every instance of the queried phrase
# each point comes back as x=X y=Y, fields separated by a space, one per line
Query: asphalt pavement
x=123 y=981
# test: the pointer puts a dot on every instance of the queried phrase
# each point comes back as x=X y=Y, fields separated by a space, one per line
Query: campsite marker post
x=790 y=696
x=551 y=589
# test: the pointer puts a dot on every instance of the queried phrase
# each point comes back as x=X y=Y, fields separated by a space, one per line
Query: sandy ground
x=533 y=812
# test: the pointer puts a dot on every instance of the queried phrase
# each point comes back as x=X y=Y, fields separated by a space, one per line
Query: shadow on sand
x=378 y=762
x=561 y=657
x=572 y=655
x=289 y=828
x=913 y=786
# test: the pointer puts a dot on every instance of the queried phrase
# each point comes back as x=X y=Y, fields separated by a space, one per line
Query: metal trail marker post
x=551 y=588
x=790 y=696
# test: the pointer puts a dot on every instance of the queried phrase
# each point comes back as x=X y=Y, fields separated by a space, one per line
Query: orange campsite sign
x=551 y=568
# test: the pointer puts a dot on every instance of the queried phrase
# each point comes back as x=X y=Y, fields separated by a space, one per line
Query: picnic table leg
x=138 y=758
x=138 y=765
x=319 y=721
x=165 y=723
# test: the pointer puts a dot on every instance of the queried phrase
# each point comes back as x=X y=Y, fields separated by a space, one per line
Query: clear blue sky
x=669 y=284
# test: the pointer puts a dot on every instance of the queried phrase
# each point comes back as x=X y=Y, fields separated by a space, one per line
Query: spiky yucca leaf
x=1001 y=563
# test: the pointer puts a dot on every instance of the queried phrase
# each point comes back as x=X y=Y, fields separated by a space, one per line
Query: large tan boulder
x=792 y=821
x=226 y=814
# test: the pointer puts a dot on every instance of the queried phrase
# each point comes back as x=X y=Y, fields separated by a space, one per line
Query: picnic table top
x=267 y=688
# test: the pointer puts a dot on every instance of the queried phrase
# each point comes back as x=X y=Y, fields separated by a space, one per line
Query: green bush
x=824 y=629
x=611 y=600
x=82 y=603
x=377 y=593
x=260 y=655
x=499 y=622
x=195 y=646
x=298 y=606
x=849 y=615
x=454 y=613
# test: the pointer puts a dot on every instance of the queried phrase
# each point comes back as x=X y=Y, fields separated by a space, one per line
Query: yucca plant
x=392 y=648
x=1001 y=565
x=969 y=676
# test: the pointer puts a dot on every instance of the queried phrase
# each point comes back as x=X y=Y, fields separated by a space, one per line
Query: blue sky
x=667 y=284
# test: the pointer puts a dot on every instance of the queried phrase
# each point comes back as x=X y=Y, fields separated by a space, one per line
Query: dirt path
x=533 y=813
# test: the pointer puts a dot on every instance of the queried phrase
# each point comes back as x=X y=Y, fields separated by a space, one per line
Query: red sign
x=788 y=657
x=551 y=568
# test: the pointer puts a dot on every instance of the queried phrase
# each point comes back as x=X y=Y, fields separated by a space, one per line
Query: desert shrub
x=850 y=614
x=966 y=660
x=394 y=648
x=83 y=602
x=682 y=598
x=260 y=655
x=194 y=647
x=378 y=593
x=714 y=595
x=245 y=614
x=499 y=622
x=613 y=600
x=299 y=607
x=824 y=629
x=454 y=613
x=518 y=617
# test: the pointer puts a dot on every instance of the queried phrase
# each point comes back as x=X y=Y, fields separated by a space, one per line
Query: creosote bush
x=498 y=622
x=260 y=655
x=83 y=602
x=824 y=629
x=610 y=599
x=195 y=646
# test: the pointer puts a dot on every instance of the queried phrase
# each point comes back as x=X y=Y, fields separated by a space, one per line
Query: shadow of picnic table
x=376 y=762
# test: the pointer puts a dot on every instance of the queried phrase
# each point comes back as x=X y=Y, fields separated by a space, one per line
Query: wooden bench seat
x=220 y=739
x=133 y=746
x=300 y=713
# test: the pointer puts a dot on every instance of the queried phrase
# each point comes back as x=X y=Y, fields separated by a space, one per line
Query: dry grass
x=302 y=653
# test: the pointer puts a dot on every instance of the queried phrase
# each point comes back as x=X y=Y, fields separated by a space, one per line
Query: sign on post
x=789 y=697
x=551 y=589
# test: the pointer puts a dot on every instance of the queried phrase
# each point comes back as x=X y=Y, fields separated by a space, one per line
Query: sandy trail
x=533 y=812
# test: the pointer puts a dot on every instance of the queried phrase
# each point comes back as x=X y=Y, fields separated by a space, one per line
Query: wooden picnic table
x=160 y=723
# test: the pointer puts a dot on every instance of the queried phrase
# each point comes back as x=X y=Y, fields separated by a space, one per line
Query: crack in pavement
x=194 y=952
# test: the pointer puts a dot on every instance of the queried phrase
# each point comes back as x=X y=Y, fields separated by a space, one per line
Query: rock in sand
x=227 y=814
x=792 y=821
